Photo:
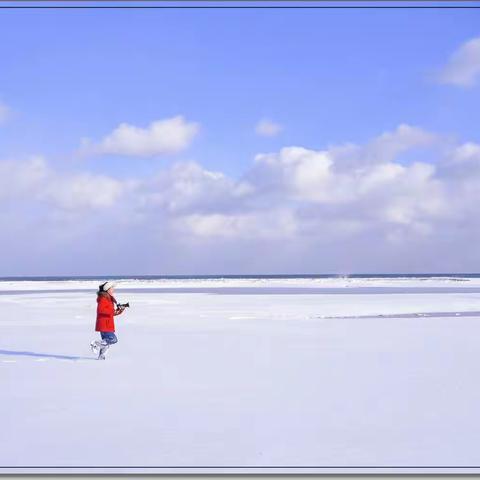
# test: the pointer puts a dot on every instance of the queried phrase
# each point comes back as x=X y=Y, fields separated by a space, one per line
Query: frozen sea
x=243 y=375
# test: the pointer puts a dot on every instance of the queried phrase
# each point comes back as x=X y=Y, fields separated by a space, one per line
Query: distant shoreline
x=237 y=277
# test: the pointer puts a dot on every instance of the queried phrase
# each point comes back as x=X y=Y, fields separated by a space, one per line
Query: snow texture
x=323 y=375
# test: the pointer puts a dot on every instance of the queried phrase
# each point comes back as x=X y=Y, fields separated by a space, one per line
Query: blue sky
x=328 y=77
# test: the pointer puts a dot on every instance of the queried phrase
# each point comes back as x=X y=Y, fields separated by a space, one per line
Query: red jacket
x=105 y=313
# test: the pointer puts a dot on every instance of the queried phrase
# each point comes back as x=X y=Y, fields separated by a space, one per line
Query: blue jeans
x=109 y=337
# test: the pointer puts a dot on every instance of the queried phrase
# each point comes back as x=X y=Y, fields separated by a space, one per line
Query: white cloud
x=467 y=152
x=186 y=186
x=159 y=138
x=373 y=205
x=267 y=128
x=305 y=173
x=300 y=193
x=282 y=223
x=22 y=179
x=461 y=163
x=83 y=191
x=387 y=147
x=33 y=181
x=463 y=67
x=391 y=144
x=342 y=175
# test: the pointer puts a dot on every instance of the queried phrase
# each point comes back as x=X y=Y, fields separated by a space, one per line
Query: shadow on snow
x=42 y=355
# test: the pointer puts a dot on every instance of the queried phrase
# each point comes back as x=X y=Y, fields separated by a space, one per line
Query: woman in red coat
x=106 y=310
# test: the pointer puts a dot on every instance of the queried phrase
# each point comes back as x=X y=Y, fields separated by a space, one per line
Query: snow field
x=202 y=379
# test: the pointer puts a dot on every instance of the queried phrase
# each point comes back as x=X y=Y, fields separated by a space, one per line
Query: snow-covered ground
x=243 y=373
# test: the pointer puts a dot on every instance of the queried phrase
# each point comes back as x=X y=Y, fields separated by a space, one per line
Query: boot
x=95 y=346
x=104 y=346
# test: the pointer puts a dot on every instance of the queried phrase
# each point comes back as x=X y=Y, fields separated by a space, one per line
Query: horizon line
x=235 y=275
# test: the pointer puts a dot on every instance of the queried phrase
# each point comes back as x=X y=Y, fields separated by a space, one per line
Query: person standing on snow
x=106 y=310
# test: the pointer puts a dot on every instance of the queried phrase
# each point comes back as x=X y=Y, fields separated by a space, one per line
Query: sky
x=239 y=141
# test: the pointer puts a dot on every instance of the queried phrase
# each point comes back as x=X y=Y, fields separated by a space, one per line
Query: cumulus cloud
x=239 y=225
x=22 y=179
x=187 y=186
x=267 y=128
x=351 y=207
x=299 y=194
x=83 y=191
x=463 y=67
x=32 y=180
x=348 y=175
x=159 y=138
x=303 y=173
x=467 y=152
